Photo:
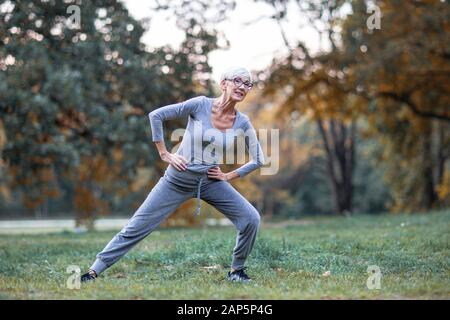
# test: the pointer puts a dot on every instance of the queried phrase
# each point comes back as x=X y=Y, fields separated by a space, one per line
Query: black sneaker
x=88 y=276
x=238 y=276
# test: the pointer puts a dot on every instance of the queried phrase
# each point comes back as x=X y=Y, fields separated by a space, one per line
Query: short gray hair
x=235 y=71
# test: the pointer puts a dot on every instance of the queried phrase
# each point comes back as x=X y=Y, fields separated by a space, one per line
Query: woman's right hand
x=177 y=161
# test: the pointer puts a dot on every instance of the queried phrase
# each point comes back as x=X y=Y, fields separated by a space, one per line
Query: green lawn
x=287 y=262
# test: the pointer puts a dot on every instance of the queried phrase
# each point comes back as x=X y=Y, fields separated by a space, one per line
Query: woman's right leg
x=163 y=199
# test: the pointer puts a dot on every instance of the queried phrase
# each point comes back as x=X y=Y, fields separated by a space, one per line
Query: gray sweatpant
x=173 y=189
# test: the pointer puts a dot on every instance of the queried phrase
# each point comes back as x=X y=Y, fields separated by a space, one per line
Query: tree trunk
x=340 y=159
x=430 y=196
x=442 y=154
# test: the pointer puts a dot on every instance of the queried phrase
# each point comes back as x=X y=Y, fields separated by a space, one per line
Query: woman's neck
x=224 y=106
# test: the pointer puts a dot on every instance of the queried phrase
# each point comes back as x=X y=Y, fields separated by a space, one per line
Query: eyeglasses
x=238 y=82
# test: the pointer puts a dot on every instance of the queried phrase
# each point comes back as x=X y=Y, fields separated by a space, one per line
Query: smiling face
x=235 y=83
x=235 y=88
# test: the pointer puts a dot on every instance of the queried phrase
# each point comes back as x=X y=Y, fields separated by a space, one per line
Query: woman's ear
x=223 y=85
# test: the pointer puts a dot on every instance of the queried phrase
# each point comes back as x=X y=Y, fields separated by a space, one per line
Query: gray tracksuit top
x=203 y=145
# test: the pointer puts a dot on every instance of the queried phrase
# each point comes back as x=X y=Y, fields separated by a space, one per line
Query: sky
x=253 y=46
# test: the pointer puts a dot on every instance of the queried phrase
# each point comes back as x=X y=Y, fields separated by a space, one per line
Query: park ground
x=313 y=258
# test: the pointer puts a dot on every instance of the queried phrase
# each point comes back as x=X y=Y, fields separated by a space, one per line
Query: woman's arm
x=176 y=160
x=256 y=154
x=173 y=111
x=216 y=173
x=255 y=151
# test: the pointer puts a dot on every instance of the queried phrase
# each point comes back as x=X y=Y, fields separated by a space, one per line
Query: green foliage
x=394 y=79
x=74 y=104
x=311 y=192
x=74 y=101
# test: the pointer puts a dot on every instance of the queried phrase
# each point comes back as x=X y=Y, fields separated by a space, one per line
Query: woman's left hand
x=216 y=173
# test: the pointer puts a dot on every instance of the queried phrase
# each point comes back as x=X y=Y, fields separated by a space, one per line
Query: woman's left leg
x=225 y=198
x=163 y=199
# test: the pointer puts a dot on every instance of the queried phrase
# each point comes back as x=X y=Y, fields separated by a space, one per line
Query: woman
x=193 y=172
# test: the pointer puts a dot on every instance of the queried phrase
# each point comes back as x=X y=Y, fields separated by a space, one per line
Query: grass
x=287 y=262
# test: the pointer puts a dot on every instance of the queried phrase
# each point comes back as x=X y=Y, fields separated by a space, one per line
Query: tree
x=74 y=100
x=402 y=71
x=396 y=79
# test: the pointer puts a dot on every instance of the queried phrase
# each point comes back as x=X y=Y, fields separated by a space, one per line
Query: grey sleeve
x=171 y=111
x=254 y=149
